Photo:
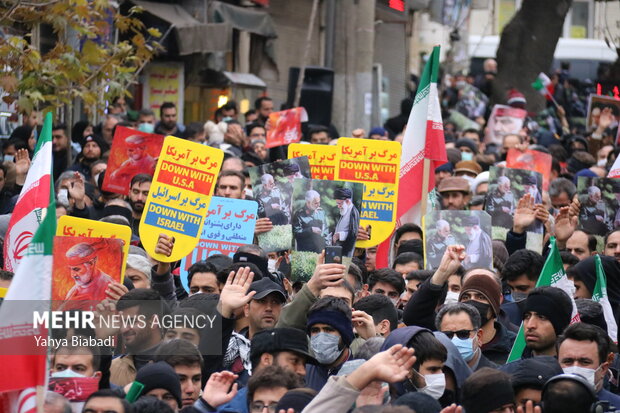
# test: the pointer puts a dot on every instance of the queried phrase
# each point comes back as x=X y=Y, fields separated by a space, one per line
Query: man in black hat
x=530 y=186
x=480 y=248
x=161 y=381
x=345 y=233
x=528 y=376
x=92 y=149
x=284 y=347
x=262 y=312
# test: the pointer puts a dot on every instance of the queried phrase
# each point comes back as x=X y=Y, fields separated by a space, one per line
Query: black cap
x=532 y=372
x=281 y=339
x=260 y=262
x=160 y=375
x=343 y=193
x=264 y=287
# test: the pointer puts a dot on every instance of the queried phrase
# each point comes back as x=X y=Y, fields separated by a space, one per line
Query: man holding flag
x=23 y=364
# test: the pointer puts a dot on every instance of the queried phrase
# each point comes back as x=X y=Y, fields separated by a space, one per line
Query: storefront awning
x=245 y=79
x=192 y=35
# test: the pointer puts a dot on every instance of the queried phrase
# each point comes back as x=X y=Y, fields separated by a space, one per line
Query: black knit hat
x=160 y=375
x=296 y=399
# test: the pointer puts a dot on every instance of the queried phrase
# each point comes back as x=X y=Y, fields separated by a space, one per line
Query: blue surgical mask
x=68 y=373
x=467 y=156
x=146 y=127
x=465 y=347
x=325 y=347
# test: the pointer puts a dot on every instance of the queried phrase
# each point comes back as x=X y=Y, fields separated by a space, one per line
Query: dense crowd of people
x=364 y=337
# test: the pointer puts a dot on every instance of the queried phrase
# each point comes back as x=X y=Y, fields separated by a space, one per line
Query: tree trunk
x=526 y=48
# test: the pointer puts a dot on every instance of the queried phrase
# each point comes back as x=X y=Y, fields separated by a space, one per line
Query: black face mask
x=482 y=308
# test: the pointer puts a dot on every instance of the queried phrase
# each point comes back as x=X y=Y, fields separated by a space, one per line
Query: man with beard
x=270 y=202
x=346 y=228
x=500 y=203
x=438 y=242
x=480 y=248
x=168 y=120
x=310 y=225
x=593 y=214
x=138 y=192
x=138 y=161
x=90 y=281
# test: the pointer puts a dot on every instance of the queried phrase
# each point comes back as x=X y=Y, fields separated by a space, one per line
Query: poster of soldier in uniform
x=83 y=269
x=506 y=187
x=325 y=213
x=468 y=228
x=273 y=190
x=133 y=152
x=600 y=205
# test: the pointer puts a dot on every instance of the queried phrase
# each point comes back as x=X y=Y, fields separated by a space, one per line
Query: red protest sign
x=285 y=127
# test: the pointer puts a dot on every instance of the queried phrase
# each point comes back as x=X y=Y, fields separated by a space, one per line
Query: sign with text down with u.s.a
x=179 y=196
x=376 y=164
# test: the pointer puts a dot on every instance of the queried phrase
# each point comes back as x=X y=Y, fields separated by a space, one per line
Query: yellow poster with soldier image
x=376 y=164
x=179 y=197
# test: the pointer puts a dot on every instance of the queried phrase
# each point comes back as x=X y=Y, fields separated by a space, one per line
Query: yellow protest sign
x=179 y=196
x=376 y=164
x=87 y=228
x=323 y=159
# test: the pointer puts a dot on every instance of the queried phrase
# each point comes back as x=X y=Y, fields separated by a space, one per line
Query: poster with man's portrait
x=133 y=152
x=272 y=185
x=504 y=120
x=600 y=205
x=532 y=160
x=83 y=269
x=325 y=214
x=602 y=105
x=468 y=228
x=506 y=187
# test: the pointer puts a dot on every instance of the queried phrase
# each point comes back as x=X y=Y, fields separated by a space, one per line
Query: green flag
x=600 y=296
x=553 y=275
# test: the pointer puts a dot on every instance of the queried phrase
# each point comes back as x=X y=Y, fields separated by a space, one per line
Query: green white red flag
x=423 y=140
x=600 y=296
x=34 y=198
x=553 y=275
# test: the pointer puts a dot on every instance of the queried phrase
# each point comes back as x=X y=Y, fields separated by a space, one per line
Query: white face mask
x=451 y=297
x=66 y=374
x=602 y=162
x=586 y=373
x=271 y=265
x=435 y=385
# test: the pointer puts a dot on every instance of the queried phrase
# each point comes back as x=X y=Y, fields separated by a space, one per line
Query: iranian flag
x=553 y=275
x=34 y=198
x=543 y=85
x=423 y=140
x=600 y=296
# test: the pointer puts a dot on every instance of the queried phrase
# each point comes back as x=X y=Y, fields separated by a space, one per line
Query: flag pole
x=425 y=176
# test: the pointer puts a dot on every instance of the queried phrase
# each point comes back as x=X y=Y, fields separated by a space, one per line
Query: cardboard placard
x=80 y=227
x=506 y=187
x=376 y=164
x=600 y=206
x=323 y=159
x=504 y=120
x=133 y=152
x=531 y=160
x=179 y=196
x=83 y=269
x=285 y=127
x=228 y=225
x=468 y=228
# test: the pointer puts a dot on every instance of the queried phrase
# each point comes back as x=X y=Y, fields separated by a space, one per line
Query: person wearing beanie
x=330 y=329
x=467 y=147
x=547 y=311
x=378 y=133
x=418 y=402
x=93 y=147
x=296 y=399
x=487 y=391
x=444 y=171
x=516 y=99
x=161 y=381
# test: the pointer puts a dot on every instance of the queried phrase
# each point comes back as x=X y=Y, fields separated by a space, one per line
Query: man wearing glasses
x=461 y=323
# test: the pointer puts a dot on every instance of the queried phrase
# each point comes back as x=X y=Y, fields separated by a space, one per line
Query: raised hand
x=115 y=291
x=362 y=234
x=392 y=365
x=220 y=388
x=77 y=191
x=450 y=263
x=325 y=275
x=529 y=408
x=164 y=247
x=235 y=294
x=263 y=225
x=364 y=324
x=542 y=214
x=22 y=165
x=565 y=225
x=525 y=214
x=453 y=408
